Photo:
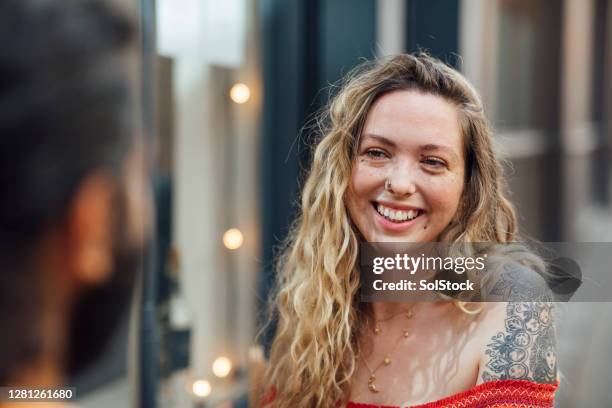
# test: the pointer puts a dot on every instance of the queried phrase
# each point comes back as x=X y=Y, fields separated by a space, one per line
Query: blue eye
x=376 y=154
x=434 y=162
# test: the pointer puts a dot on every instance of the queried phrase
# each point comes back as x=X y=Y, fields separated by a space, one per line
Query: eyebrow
x=381 y=139
x=432 y=147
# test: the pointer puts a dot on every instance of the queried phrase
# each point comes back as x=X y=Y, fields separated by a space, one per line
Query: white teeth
x=396 y=215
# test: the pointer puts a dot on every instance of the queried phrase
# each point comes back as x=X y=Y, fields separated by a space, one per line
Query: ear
x=90 y=223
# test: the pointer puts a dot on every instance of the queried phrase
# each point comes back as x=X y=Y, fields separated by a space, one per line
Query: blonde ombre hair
x=316 y=305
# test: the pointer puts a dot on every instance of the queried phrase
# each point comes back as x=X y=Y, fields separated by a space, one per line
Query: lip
x=395 y=226
x=396 y=206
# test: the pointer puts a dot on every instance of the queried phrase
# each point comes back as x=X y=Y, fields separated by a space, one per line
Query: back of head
x=63 y=106
x=64 y=112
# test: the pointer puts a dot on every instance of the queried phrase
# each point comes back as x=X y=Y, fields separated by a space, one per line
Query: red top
x=493 y=394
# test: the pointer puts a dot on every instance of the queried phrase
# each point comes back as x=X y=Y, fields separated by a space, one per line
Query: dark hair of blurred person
x=75 y=203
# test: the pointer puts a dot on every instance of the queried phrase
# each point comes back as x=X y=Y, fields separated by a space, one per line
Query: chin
x=394 y=238
x=420 y=235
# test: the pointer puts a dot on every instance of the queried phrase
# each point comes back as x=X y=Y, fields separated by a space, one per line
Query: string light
x=240 y=93
x=201 y=388
x=233 y=238
x=222 y=366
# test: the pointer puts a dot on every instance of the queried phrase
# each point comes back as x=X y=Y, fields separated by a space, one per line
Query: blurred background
x=234 y=82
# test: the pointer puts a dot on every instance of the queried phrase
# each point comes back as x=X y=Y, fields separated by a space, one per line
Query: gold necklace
x=408 y=313
x=387 y=360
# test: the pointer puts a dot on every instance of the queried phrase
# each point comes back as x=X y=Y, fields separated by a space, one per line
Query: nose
x=401 y=180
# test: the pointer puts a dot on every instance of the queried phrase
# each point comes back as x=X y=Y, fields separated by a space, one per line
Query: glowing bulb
x=201 y=388
x=222 y=366
x=232 y=238
x=240 y=93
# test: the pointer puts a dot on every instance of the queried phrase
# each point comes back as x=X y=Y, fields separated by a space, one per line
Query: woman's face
x=408 y=174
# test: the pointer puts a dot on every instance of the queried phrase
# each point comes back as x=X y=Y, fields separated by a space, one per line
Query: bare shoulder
x=517 y=283
x=519 y=342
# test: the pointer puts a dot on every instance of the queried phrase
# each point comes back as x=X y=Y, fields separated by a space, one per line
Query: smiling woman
x=408 y=176
x=405 y=155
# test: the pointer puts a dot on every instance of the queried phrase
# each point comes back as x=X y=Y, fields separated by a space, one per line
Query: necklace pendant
x=377 y=329
x=372 y=388
x=371 y=379
x=387 y=360
x=406 y=333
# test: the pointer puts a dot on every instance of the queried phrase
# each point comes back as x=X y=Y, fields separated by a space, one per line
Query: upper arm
x=520 y=344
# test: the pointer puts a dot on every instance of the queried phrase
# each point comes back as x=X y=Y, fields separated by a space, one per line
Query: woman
x=405 y=156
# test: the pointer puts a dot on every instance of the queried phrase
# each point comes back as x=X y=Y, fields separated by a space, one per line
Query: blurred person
x=75 y=209
x=405 y=155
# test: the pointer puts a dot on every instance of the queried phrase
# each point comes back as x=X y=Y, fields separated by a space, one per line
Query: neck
x=43 y=372
x=382 y=310
x=46 y=368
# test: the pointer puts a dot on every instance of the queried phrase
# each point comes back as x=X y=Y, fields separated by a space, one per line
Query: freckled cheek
x=443 y=196
x=365 y=180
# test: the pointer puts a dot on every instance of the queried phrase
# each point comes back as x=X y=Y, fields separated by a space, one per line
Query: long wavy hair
x=316 y=303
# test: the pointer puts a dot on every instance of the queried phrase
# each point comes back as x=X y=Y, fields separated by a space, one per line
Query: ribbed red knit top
x=493 y=394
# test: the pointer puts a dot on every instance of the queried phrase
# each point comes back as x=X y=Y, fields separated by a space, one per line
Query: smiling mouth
x=396 y=216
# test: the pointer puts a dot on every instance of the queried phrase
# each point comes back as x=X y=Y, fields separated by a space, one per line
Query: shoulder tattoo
x=519 y=284
x=526 y=349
